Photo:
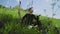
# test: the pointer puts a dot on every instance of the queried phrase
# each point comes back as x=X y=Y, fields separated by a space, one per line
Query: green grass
x=14 y=26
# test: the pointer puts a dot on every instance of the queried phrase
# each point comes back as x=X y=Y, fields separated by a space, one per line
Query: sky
x=40 y=6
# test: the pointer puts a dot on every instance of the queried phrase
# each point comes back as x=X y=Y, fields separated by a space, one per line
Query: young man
x=29 y=17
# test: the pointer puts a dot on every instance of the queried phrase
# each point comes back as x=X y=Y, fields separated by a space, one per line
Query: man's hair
x=30 y=8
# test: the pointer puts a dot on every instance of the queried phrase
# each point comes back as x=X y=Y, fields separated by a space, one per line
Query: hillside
x=12 y=25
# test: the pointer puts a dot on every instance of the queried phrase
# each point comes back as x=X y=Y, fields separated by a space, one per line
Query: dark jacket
x=28 y=18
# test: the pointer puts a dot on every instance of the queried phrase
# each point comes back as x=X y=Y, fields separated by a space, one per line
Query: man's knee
x=1 y=25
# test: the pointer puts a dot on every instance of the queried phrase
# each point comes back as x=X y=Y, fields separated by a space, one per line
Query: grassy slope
x=14 y=12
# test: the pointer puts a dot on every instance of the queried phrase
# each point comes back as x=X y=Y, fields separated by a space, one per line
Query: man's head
x=30 y=10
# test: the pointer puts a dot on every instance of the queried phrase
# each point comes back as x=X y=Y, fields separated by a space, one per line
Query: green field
x=12 y=23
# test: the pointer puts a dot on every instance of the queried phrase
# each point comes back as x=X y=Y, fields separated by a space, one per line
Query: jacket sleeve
x=36 y=18
x=24 y=17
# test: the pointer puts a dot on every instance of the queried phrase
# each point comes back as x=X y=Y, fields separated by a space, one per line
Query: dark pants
x=1 y=25
x=39 y=24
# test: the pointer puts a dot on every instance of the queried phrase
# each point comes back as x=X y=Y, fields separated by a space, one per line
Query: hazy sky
x=39 y=6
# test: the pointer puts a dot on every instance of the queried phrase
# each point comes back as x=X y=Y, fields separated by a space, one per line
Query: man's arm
x=36 y=17
x=24 y=17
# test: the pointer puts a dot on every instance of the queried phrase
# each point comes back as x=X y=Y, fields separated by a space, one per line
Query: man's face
x=31 y=11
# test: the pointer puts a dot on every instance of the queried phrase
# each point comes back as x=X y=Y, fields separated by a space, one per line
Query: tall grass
x=12 y=24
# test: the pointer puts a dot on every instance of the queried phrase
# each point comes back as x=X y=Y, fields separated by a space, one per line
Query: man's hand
x=39 y=15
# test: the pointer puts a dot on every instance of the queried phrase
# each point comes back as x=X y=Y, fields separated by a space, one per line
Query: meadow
x=12 y=25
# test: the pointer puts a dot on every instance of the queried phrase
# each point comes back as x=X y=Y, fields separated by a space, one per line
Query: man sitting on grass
x=29 y=17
